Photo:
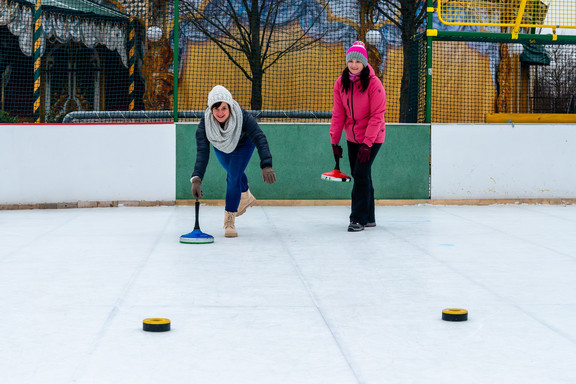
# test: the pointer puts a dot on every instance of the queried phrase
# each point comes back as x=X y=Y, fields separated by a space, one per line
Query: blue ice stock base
x=196 y=237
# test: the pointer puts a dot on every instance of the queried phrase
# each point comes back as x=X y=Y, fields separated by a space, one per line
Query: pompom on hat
x=357 y=51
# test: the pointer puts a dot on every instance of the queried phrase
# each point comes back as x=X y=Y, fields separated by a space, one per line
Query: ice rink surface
x=294 y=299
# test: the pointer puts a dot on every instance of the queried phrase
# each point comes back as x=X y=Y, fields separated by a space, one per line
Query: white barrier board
x=91 y=162
x=503 y=161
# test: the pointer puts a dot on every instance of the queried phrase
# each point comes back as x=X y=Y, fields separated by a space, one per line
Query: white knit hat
x=219 y=93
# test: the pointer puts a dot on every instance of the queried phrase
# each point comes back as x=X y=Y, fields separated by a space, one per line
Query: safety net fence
x=115 y=61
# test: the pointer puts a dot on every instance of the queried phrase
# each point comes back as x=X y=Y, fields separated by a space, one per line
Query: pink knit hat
x=357 y=51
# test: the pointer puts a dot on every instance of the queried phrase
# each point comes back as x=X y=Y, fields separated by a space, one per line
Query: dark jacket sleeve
x=257 y=136
x=202 y=151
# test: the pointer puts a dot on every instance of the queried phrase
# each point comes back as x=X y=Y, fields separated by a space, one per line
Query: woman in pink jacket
x=359 y=107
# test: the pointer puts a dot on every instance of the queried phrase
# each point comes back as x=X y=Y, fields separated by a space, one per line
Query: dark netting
x=113 y=61
x=16 y=80
x=473 y=78
x=67 y=55
x=302 y=80
x=299 y=55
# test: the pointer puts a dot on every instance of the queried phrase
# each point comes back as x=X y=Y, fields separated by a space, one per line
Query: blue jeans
x=235 y=164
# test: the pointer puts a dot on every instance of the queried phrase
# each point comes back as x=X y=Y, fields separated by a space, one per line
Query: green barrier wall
x=301 y=152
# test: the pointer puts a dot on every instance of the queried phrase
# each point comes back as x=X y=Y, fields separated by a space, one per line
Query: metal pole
x=37 y=59
x=429 y=34
x=176 y=28
x=131 y=61
x=501 y=37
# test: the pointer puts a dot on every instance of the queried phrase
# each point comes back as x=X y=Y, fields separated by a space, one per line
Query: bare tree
x=555 y=84
x=255 y=29
x=561 y=77
x=409 y=16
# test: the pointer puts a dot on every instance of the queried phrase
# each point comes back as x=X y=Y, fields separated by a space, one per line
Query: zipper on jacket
x=351 y=107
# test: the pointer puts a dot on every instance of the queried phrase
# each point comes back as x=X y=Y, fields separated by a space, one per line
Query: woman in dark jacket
x=234 y=133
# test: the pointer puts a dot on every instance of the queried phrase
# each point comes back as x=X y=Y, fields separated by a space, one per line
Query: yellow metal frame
x=514 y=14
x=540 y=118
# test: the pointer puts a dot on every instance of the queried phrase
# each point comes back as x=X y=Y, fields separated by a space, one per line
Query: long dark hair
x=364 y=79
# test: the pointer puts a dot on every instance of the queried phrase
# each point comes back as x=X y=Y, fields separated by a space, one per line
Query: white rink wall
x=87 y=162
x=61 y=163
x=503 y=161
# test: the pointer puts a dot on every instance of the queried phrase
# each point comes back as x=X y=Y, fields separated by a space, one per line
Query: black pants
x=362 y=190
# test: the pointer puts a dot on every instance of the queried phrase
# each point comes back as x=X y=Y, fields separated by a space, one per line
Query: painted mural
x=118 y=55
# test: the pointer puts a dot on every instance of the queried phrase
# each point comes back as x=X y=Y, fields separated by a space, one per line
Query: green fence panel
x=301 y=152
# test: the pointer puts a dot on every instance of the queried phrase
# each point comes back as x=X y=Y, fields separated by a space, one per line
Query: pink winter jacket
x=359 y=114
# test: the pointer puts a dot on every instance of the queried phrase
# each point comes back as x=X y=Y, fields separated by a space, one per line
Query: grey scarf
x=224 y=139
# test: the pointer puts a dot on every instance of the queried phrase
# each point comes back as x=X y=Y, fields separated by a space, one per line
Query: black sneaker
x=370 y=225
x=355 y=227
